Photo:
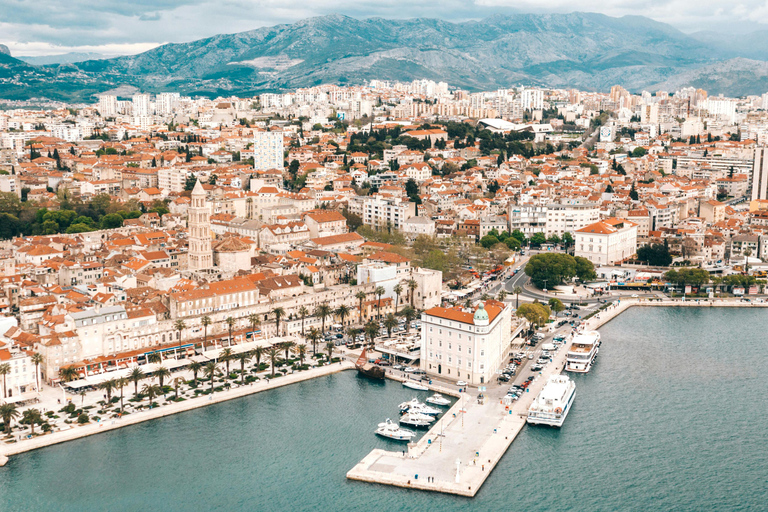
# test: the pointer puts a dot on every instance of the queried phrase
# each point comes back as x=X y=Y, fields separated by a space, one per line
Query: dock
x=461 y=449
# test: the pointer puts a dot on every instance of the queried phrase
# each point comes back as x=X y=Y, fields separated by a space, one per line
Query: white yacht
x=394 y=431
x=582 y=352
x=438 y=399
x=553 y=403
x=413 y=402
x=416 y=420
x=415 y=385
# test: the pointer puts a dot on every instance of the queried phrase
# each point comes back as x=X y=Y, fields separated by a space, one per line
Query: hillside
x=583 y=50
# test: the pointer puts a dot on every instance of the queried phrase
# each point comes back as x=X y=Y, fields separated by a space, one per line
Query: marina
x=610 y=421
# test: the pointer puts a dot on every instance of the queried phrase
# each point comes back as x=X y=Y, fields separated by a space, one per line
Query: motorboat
x=392 y=430
x=425 y=409
x=438 y=399
x=416 y=420
x=413 y=402
x=415 y=385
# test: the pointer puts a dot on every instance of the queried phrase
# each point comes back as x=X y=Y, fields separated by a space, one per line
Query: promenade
x=79 y=431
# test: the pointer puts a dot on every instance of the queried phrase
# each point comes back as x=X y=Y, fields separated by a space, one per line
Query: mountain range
x=582 y=50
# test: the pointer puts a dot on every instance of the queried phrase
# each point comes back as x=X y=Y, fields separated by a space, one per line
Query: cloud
x=34 y=25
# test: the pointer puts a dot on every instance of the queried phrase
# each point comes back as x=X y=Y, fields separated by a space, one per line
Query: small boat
x=394 y=431
x=368 y=369
x=415 y=385
x=425 y=409
x=415 y=420
x=438 y=399
x=413 y=402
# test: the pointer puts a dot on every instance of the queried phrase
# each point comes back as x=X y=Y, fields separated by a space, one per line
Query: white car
x=461 y=383
x=634 y=295
x=409 y=369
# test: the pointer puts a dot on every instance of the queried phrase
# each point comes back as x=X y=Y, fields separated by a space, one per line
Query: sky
x=121 y=27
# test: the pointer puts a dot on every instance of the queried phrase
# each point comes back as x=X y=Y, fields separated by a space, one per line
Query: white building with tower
x=465 y=343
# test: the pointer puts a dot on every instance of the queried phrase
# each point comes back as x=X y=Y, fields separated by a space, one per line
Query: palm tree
x=195 y=367
x=390 y=322
x=121 y=383
x=177 y=382
x=398 y=289
x=230 y=325
x=258 y=353
x=361 y=296
x=205 y=322
x=226 y=356
x=37 y=359
x=313 y=336
x=409 y=314
x=243 y=357
x=323 y=311
x=155 y=357
x=151 y=390
x=278 y=312
x=108 y=386
x=136 y=376
x=273 y=353
x=179 y=325
x=161 y=374
x=67 y=374
x=82 y=394
x=502 y=295
x=412 y=285
x=287 y=346
x=468 y=303
x=484 y=297
x=5 y=369
x=329 y=346
x=210 y=372
x=371 y=330
x=32 y=416
x=342 y=312
x=517 y=291
x=301 y=351
x=253 y=318
x=303 y=312
x=379 y=292
x=8 y=412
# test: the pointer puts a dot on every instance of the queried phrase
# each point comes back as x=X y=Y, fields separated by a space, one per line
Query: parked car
x=461 y=383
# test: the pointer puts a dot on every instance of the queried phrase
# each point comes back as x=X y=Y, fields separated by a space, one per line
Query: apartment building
x=607 y=242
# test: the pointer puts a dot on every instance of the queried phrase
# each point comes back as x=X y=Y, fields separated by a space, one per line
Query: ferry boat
x=438 y=399
x=553 y=403
x=394 y=431
x=583 y=351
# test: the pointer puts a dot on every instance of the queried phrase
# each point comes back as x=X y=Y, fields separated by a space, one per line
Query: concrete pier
x=459 y=452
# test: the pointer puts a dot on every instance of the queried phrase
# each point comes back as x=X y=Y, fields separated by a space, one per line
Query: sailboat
x=368 y=369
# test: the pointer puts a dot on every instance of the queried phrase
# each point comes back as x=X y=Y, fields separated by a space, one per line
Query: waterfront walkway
x=76 y=432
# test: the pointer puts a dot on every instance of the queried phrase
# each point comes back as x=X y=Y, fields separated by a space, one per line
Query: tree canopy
x=536 y=313
x=692 y=276
x=656 y=255
x=550 y=269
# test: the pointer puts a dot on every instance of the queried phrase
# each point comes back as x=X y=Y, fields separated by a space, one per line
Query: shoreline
x=78 y=432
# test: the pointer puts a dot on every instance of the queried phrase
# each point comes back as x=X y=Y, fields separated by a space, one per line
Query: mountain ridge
x=588 y=51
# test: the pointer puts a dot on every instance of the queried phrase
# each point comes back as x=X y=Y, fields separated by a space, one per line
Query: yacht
x=394 y=431
x=438 y=399
x=416 y=420
x=415 y=385
x=553 y=403
x=583 y=351
x=414 y=405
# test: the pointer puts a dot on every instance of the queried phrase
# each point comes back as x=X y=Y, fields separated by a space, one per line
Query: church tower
x=200 y=253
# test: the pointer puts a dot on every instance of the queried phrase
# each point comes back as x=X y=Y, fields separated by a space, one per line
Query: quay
x=79 y=431
x=459 y=452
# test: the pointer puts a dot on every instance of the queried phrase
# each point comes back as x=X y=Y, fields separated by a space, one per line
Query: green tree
x=210 y=372
x=32 y=417
x=585 y=269
x=162 y=373
x=538 y=239
x=489 y=241
x=111 y=221
x=371 y=330
x=536 y=313
x=390 y=322
x=205 y=322
x=195 y=368
x=314 y=336
x=230 y=326
x=9 y=413
x=409 y=314
x=323 y=311
x=243 y=357
x=329 y=346
x=656 y=255
x=517 y=291
x=342 y=312
x=136 y=376
x=273 y=354
x=279 y=313
x=556 y=305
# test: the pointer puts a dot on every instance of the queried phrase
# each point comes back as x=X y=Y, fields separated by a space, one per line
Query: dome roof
x=481 y=314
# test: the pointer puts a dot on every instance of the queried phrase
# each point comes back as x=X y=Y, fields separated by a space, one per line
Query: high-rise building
x=108 y=105
x=200 y=252
x=166 y=102
x=141 y=105
x=267 y=150
x=532 y=99
x=760 y=175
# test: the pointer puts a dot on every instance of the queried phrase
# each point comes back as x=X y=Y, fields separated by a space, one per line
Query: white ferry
x=582 y=352
x=553 y=403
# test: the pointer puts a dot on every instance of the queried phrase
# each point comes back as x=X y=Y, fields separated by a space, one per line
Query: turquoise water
x=671 y=417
